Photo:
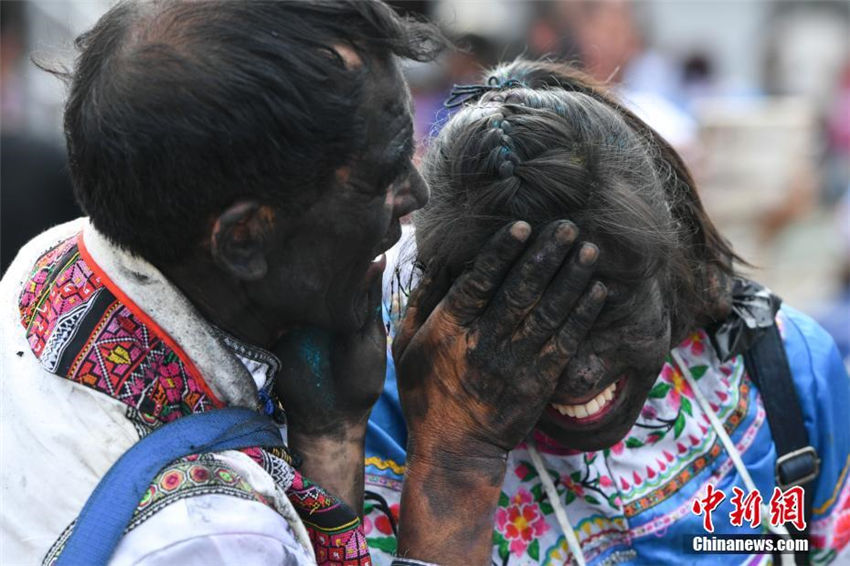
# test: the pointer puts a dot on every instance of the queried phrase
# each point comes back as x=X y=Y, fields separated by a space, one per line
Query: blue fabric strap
x=767 y=365
x=110 y=507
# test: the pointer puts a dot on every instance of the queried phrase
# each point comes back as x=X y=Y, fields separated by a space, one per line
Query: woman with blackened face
x=573 y=156
x=636 y=424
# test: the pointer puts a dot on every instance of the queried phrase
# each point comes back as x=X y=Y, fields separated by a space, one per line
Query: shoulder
x=211 y=508
x=824 y=393
x=30 y=252
x=212 y=529
x=812 y=353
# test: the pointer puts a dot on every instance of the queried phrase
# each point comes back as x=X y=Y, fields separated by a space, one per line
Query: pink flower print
x=173 y=387
x=617 y=449
x=520 y=522
x=605 y=481
x=522 y=497
x=367 y=525
x=170 y=369
x=695 y=342
x=679 y=387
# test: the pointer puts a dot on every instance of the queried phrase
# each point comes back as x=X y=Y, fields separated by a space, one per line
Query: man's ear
x=238 y=239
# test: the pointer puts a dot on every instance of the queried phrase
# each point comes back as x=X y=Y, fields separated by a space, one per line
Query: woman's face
x=605 y=385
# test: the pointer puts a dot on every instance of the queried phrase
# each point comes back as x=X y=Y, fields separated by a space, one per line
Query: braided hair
x=543 y=142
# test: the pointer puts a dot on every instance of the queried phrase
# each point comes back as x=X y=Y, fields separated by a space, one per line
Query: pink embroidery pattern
x=79 y=330
x=520 y=523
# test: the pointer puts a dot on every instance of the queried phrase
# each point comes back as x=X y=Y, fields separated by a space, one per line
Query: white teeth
x=378 y=258
x=591 y=407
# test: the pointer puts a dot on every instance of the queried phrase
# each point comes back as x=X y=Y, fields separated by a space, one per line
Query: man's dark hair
x=177 y=109
x=552 y=144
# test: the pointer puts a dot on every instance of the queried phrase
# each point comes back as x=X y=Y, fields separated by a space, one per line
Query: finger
x=374 y=329
x=558 y=301
x=529 y=277
x=560 y=349
x=410 y=322
x=471 y=293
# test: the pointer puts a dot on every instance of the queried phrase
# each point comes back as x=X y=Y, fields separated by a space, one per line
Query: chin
x=589 y=441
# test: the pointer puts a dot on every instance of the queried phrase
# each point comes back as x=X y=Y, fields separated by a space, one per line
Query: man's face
x=604 y=387
x=326 y=265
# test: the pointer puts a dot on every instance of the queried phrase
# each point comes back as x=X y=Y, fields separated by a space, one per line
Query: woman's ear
x=238 y=239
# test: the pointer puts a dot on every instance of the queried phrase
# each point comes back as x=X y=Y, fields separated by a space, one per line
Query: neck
x=223 y=301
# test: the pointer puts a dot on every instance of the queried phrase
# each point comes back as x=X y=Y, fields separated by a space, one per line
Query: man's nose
x=412 y=195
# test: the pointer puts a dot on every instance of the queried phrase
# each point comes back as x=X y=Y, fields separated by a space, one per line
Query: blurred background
x=755 y=94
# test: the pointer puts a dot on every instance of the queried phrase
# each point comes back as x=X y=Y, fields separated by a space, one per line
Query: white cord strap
x=726 y=441
x=555 y=500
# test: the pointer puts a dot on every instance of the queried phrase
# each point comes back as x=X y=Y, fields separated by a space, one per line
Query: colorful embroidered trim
x=697 y=465
x=191 y=476
x=80 y=330
x=335 y=530
x=187 y=477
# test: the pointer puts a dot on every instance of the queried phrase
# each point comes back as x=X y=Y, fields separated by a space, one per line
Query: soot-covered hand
x=329 y=382
x=477 y=374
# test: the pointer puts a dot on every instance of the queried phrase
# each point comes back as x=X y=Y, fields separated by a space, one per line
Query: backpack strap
x=109 y=509
x=797 y=462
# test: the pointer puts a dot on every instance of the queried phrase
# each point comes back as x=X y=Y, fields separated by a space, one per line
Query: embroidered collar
x=110 y=321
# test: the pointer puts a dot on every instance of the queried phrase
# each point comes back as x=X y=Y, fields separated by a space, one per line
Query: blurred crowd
x=755 y=95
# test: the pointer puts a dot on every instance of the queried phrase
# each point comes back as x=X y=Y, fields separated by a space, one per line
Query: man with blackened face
x=325 y=261
x=244 y=167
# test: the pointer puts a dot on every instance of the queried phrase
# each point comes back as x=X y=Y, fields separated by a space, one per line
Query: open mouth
x=590 y=411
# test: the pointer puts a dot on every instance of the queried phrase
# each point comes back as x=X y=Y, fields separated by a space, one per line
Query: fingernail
x=566 y=232
x=588 y=254
x=599 y=290
x=521 y=230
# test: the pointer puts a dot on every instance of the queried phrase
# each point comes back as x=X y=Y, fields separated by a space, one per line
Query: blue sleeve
x=386 y=433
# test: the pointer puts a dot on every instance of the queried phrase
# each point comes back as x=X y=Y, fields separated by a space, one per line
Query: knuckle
x=540 y=321
x=516 y=300
x=462 y=303
x=585 y=313
x=478 y=284
x=548 y=316
x=582 y=320
x=567 y=340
